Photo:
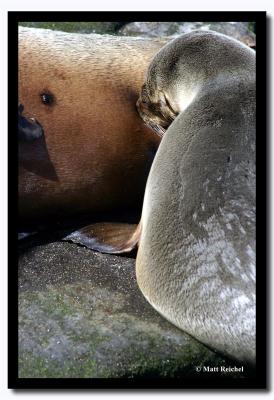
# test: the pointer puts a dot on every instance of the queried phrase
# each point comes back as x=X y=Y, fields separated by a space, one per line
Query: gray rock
x=81 y=315
x=237 y=30
x=80 y=27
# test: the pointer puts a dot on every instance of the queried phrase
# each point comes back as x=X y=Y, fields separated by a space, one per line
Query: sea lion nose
x=20 y=108
x=29 y=129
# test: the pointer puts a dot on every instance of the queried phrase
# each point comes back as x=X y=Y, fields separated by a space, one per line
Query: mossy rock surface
x=80 y=27
x=243 y=31
x=81 y=315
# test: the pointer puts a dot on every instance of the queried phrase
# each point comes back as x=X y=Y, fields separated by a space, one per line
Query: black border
x=261 y=380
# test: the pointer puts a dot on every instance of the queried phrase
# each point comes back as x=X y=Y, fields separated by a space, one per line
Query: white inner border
x=104 y=5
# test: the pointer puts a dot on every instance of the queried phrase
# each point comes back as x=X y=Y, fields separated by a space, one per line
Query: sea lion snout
x=155 y=122
x=155 y=111
x=29 y=129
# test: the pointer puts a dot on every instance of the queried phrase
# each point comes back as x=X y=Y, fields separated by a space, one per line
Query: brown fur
x=97 y=151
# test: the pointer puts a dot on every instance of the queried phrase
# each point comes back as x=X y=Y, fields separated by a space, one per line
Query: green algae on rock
x=81 y=315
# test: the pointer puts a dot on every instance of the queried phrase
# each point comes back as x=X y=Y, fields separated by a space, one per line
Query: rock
x=81 y=315
x=80 y=27
x=237 y=30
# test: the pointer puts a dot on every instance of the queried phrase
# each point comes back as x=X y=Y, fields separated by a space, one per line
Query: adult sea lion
x=83 y=148
x=196 y=258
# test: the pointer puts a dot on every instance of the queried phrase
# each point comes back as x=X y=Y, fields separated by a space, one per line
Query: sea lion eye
x=47 y=98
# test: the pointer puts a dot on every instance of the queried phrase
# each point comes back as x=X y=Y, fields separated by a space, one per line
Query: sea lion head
x=187 y=67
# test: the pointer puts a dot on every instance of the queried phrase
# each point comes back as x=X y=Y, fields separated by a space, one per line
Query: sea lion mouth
x=156 y=128
x=33 y=154
x=29 y=129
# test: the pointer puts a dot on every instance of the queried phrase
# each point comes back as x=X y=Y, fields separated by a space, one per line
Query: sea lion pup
x=196 y=261
x=95 y=152
x=196 y=258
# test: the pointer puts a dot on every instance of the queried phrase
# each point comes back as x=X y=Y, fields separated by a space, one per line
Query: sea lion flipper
x=107 y=237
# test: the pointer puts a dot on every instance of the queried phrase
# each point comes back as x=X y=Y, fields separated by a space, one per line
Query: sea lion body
x=96 y=152
x=196 y=256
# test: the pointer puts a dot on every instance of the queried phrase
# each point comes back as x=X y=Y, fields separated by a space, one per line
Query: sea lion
x=196 y=258
x=85 y=150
